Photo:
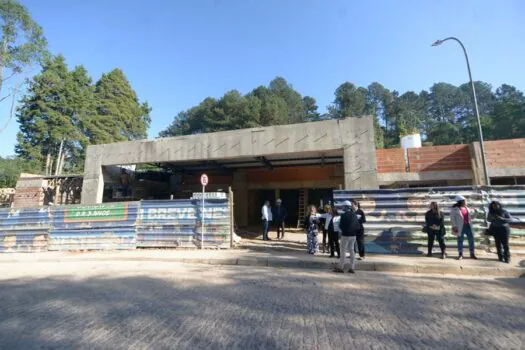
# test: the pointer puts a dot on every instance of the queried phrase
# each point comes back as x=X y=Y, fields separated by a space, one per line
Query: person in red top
x=461 y=219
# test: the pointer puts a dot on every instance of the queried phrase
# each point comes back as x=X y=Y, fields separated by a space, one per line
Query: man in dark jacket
x=349 y=225
x=279 y=217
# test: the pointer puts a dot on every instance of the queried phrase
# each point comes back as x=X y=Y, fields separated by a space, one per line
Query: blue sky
x=176 y=53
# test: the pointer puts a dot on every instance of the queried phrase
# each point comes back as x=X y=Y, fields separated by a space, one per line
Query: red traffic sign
x=204 y=180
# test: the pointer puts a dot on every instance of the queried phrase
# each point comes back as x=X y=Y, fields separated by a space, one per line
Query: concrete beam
x=282 y=139
x=506 y=172
x=289 y=185
x=428 y=176
x=354 y=135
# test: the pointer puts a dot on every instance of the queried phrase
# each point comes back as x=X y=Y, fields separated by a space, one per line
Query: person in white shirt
x=265 y=217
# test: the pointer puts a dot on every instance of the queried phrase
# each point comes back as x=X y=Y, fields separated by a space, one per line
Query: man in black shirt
x=279 y=217
x=349 y=225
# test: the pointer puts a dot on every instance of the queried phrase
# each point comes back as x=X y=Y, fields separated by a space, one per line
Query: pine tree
x=119 y=114
x=47 y=115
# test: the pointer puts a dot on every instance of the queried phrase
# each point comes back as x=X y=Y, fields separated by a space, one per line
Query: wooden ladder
x=303 y=199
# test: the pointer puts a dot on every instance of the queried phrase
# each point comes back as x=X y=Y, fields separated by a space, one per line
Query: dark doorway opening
x=290 y=200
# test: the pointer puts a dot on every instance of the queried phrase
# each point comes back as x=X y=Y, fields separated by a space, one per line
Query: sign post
x=204 y=183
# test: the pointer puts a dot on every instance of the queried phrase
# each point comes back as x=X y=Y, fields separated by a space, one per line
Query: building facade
x=300 y=163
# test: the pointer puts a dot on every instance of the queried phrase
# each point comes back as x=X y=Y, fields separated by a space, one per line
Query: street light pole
x=485 y=170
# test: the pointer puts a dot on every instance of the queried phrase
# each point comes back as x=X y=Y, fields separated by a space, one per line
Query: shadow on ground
x=253 y=308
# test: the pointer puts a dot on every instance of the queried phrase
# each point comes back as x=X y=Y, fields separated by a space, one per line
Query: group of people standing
x=345 y=232
x=461 y=221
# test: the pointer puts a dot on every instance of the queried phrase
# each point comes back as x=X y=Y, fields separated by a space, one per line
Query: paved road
x=149 y=305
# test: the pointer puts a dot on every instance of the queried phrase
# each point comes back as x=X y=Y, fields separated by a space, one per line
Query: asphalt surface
x=163 y=305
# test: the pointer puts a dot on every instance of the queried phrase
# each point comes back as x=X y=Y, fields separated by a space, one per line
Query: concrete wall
x=354 y=135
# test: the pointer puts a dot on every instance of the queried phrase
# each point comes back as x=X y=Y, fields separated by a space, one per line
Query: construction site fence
x=118 y=226
x=397 y=216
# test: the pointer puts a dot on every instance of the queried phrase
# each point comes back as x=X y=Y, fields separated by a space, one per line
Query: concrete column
x=93 y=184
x=277 y=193
x=478 y=177
x=360 y=164
x=240 y=198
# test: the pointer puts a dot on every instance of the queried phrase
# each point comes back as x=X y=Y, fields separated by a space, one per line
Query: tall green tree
x=444 y=108
x=310 y=109
x=274 y=109
x=350 y=101
x=48 y=116
x=467 y=114
x=280 y=87
x=119 y=114
x=508 y=113
x=376 y=101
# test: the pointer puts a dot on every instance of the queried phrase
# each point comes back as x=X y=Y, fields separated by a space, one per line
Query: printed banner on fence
x=97 y=213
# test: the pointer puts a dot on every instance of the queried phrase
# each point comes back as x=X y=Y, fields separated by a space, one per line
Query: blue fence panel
x=395 y=217
x=109 y=226
x=217 y=224
x=166 y=223
x=24 y=230
x=177 y=223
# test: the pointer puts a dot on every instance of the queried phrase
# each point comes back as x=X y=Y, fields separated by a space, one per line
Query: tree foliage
x=443 y=114
x=10 y=169
x=22 y=42
x=276 y=104
x=63 y=107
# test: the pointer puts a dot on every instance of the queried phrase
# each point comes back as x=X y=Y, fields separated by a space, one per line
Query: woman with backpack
x=435 y=228
x=499 y=220
x=461 y=218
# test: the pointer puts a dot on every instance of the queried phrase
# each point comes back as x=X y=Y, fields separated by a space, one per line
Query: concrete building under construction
x=300 y=163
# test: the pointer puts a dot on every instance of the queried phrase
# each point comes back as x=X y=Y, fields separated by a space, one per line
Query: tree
x=467 y=114
x=264 y=106
x=62 y=113
x=9 y=172
x=444 y=114
x=119 y=114
x=310 y=109
x=274 y=109
x=234 y=111
x=508 y=113
x=350 y=101
x=22 y=41
x=376 y=101
x=410 y=111
x=22 y=44
x=280 y=87
x=444 y=109
x=180 y=126
x=47 y=116
x=10 y=169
